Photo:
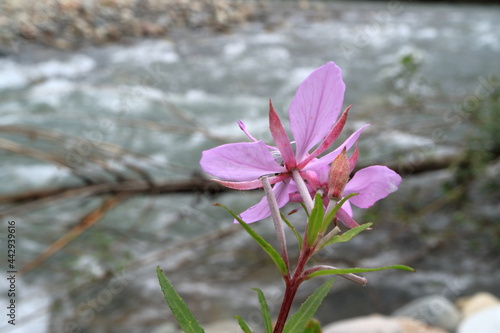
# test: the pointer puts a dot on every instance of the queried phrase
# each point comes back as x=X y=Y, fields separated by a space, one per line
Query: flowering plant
x=299 y=171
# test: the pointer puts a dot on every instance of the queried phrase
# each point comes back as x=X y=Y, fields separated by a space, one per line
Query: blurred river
x=406 y=67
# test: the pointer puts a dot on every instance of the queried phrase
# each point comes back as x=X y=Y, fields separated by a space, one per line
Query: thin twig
x=88 y=221
x=37 y=198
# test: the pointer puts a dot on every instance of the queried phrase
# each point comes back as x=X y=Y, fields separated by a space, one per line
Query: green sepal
x=313 y=326
x=297 y=235
x=275 y=256
x=348 y=235
x=299 y=320
x=266 y=315
x=243 y=325
x=329 y=217
x=315 y=220
x=181 y=312
x=357 y=270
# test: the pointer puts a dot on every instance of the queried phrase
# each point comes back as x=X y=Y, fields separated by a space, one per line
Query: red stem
x=290 y=291
x=292 y=285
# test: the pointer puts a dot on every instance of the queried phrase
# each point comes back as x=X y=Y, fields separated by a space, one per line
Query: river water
x=170 y=99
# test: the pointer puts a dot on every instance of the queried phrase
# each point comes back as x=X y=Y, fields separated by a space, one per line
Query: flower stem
x=286 y=305
x=292 y=285
x=278 y=222
x=302 y=187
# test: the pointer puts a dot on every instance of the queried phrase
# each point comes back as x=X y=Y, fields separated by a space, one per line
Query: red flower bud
x=338 y=176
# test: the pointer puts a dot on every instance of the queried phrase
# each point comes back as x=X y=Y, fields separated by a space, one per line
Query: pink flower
x=313 y=114
x=371 y=184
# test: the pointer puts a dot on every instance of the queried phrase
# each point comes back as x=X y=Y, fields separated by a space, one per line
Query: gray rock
x=369 y=324
x=485 y=321
x=434 y=310
x=380 y=324
x=223 y=326
x=477 y=303
x=166 y=328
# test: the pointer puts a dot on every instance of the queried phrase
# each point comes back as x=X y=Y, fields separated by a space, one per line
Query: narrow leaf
x=304 y=208
x=278 y=260
x=299 y=320
x=330 y=215
x=243 y=325
x=357 y=270
x=315 y=220
x=313 y=326
x=184 y=316
x=297 y=236
x=348 y=235
x=266 y=315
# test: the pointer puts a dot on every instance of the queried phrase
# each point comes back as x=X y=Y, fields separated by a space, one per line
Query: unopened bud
x=338 y=176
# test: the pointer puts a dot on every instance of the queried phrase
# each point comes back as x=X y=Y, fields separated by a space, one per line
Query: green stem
x=276 y=215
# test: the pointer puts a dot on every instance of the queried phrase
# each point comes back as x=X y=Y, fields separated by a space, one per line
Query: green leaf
x=348 y=235
x=297 y=236
x=184 y=317
x=357 y=270
x=266 y=315
x=243 y=325
x=275 y=256
x=313 y=326
x=329 y=217
x=299 y=320
x=304 y=208
x=315 y=220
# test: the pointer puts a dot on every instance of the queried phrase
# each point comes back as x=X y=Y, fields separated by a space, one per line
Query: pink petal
x=247 y=133
x=322 y=174
x=250 y=136
x=252 y=184
x=347 y=208
x=281 y=138
x=372 y=183
x=327 y=142
x=293 y=192
x=315 y=107
x=346 y=219
x=328 y=158
x=241 y=161
x=353 y=160
x=261 y=210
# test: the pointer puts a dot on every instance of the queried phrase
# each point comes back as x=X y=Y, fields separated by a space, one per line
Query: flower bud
x=338 y=176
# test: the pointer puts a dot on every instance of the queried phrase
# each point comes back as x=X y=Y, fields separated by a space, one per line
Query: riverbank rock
x=223 y=326
x=434 y=310
x=478 y=302
x=380 y=324
x=70 y=24
x=485 y=321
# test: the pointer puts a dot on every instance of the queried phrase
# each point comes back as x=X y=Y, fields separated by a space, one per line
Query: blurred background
x=106 y=105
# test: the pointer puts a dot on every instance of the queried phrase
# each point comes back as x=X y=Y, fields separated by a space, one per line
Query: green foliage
x=348 y=235
x=299 y=320
x=266 y=315
x=315 y=220
x=275 y=256
x=297 y=236
x=243 y=325
x=357 y=270
x=331 y=215
x=406 y=81
x=483 y=145
x=181 y=312
x=313 y=326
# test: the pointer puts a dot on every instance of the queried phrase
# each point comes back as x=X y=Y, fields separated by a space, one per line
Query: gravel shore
x=70 y=24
